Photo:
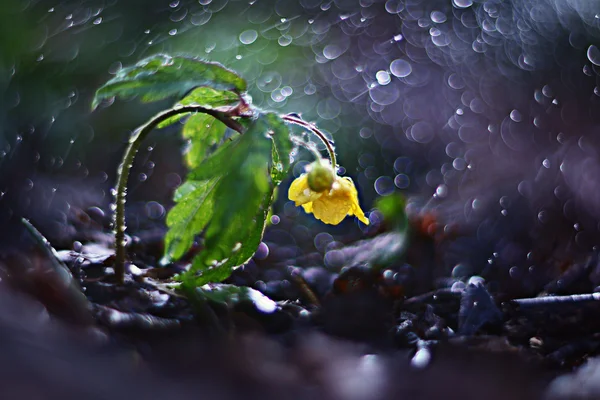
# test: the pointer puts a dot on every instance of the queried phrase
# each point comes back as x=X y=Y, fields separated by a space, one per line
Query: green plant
x=238 y=155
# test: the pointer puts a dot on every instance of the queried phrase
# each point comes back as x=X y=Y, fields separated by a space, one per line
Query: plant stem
x=124 y=169
x=307 y=125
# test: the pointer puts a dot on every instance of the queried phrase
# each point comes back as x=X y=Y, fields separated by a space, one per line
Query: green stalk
x=307 y=125
x=125 y=168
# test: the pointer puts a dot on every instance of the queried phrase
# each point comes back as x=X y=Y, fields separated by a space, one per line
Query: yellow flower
x=330 y=206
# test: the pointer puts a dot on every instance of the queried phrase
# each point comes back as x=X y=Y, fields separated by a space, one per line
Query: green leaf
x=249 y=233
x=204 y=132
x=244 y=196
x=282 y=147
x=194 y=209
x=393 y=209
x=172 y=120
x=161 y=76
x=209 y=97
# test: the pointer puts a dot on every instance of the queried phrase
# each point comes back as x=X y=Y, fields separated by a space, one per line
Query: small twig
x=308 y=293
x=123 y=172
x=555 y=300
x=311 y=127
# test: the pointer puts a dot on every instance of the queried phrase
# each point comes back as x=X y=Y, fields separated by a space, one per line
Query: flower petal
x=300 y=193
x=332 y=209
x=356 y=210
x=308 y=207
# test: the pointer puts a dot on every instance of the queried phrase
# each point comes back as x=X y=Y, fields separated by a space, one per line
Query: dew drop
x=383 y=77
x=516 y=116
x=593 y=54
x=400 y=68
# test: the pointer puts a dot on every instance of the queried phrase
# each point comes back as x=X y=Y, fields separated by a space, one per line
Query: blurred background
x=483 y=113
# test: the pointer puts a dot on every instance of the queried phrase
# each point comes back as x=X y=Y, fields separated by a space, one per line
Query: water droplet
x=438 y=17
x=546 y=163
x=383 y=77
x=593 y=54
x=173 y=32
x=332 y=51
x=262 y=252
x=402 y=181
x=441 y=191
x=462 y=3
x=516 y=116
x=384 y=185
x=97 y=21
x=400 y=68
x=284 y=40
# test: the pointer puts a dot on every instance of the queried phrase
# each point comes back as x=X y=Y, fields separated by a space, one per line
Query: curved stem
x=307 y=125
x=124 y=169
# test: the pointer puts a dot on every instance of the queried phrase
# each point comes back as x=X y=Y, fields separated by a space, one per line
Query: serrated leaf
x=282 y=142
x=244 y=196
x=189 y=217
x=161 y=76
x=250 y=234
x=172 y=120
x=282 y=147
x=204 y=132
x=209 y=97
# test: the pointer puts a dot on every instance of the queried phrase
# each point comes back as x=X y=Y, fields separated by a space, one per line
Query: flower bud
x=320 y=176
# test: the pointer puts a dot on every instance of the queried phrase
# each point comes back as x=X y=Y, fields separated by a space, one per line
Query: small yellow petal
x=300 y=193
x=356 y=210
x=332 y=209
x=308 y=207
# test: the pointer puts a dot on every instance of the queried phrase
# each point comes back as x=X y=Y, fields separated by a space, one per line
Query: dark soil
x=335 y=332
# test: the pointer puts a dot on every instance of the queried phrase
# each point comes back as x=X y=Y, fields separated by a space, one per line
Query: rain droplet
x=248 y=37
x=516 y=116
x=284 y=40
x=546 y=163
x=332 y=51
x=173 y=32
x=593 y=54
x=384 y=186
x=402 y=181
x=462 y=3
x=383 y=77
x=441 y=191
x=400 y=68
x=438 y=17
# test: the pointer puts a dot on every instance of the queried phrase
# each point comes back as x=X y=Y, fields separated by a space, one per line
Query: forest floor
x=286 y=327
